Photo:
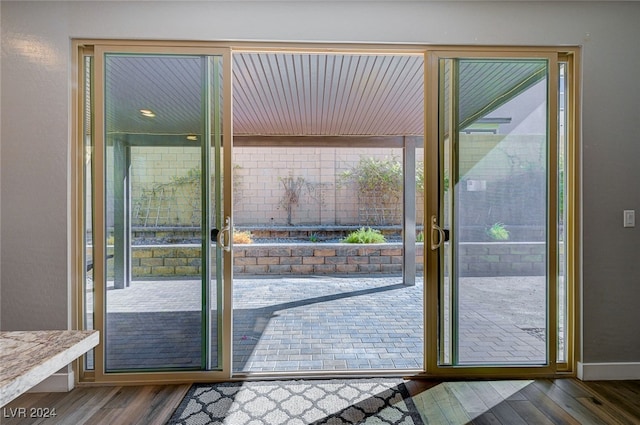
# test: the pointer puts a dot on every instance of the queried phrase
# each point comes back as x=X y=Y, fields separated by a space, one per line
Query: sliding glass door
x=494 y=224
x=161 y=223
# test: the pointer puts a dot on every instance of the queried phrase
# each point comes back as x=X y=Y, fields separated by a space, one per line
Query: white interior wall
x=35 y=135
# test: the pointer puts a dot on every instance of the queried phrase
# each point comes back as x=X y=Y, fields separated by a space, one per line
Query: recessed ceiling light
x=147 y=113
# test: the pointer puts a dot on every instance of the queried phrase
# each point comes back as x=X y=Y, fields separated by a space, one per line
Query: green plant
x=372 y=174
x=191 y=177
x=379 y=187
x=420 y=178
x=498 y=232
x=364 y=235
x=314 y=237
x=420 y=237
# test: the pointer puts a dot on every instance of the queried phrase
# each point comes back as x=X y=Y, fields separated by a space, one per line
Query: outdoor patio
x=323 y=323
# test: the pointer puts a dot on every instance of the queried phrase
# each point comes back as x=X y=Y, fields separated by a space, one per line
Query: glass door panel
x=162 y=153
x=494 y=162
x=88 y=287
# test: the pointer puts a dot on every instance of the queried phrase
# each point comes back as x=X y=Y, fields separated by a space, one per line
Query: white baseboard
x=56 y=383
x=608 y=371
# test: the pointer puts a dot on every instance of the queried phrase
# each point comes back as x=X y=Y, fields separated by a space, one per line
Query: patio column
x=121 y=214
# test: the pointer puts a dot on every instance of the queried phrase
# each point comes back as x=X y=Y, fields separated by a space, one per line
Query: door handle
x=226 y=245
x=441 y=235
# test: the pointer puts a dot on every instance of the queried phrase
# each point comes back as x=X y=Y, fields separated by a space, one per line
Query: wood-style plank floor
x=540 y=401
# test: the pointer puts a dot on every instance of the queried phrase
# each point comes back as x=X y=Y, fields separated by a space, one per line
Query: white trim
x=56 y=383
x=608 y=371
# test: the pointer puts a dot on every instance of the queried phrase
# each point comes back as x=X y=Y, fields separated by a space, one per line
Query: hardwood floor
x=541 y=401
x=150 y=404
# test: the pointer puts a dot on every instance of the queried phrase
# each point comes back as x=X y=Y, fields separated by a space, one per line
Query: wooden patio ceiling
x=293 y=98
x=328 y=95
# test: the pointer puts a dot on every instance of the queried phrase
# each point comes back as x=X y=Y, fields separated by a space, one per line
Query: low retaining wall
x=476 y=259
x=309 y=258
x=502 y=259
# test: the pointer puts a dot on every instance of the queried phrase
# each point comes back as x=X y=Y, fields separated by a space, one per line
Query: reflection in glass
x=160 y=114
x=494 y=121
x=563 y=298
x=87 y=203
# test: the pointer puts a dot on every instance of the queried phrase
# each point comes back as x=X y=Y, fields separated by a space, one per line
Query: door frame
x=434 y=160
x=98 y=50
x=83 y=47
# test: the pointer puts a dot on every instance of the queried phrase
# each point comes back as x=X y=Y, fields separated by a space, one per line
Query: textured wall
x=260 y=174
x=36 y=75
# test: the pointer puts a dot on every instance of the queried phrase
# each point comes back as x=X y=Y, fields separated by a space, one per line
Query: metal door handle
x=439 y=231
x=221 y=235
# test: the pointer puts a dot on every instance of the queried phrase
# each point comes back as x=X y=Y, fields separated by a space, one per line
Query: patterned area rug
x=298 y=402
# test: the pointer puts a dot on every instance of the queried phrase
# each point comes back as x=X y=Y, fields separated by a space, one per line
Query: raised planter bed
x=476 y=259
x=324 y=258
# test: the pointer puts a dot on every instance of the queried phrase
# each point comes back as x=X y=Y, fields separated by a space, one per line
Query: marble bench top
x=29 y=357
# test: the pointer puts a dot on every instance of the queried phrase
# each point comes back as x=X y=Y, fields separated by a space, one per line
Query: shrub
x=295 y=188
x=498 y=232
x=363 y=235
x=379 y=188
x=242 y=237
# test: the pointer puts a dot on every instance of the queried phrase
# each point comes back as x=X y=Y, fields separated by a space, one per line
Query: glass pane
x=499 y=211
x=446 y=342
x=562 y=214
x=155 y=121
x=88 y=202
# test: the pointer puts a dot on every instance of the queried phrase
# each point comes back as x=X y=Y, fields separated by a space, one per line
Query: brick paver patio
x=322 y=323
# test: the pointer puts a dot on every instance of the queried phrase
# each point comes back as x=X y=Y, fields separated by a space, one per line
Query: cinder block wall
x=475 y=259
x=321 y=259
x=259 y=174
x=258 y=185
x=323 y=199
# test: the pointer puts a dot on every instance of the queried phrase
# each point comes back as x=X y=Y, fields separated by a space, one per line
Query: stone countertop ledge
x=29 y=357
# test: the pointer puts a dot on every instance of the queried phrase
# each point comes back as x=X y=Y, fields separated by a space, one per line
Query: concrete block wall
x=176 y=260
x=497 y=156
x=258 y=188
x=152 y=165
x=310 y=258
x=502 y=180
x=157 y=199
x=259 y=174
x=261 y=259
x=475 y=259
x=502 y=259
x=323 y=201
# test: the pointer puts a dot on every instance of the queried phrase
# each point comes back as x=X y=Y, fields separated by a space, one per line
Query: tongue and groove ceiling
x=291 y=94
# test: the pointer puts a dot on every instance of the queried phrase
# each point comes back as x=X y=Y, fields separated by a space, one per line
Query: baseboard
x=608 y=371
x=56 y=383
